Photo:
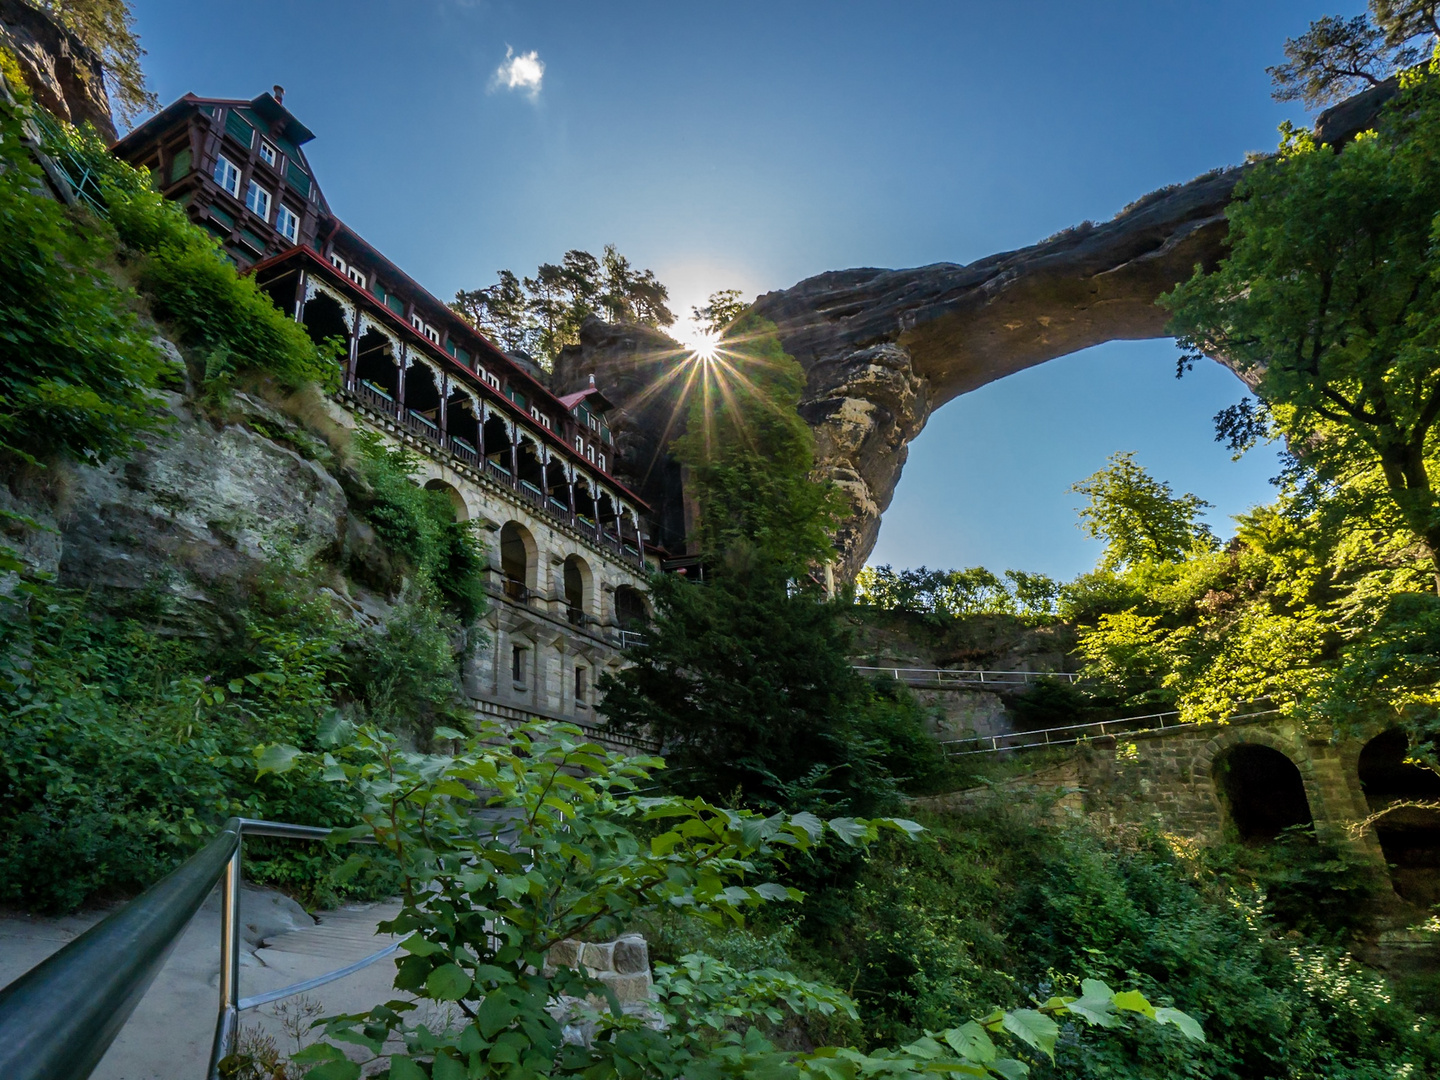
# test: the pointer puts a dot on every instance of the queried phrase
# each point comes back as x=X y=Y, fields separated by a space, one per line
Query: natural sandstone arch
x=519 y=560
x=883 y=349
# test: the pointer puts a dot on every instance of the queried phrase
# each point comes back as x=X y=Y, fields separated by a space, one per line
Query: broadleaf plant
x=528 y=836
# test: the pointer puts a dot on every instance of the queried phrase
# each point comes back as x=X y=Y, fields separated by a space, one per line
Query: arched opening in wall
x=376 y=370
x=518 y=559
x=585 y=505
x=323 y=318
x=579 y=589
x=458 y=508
x=497 y=444
x=531 y=472
x=1409 y=835
x=605 y=514
x=557 y=486
x=1263 y=791
x=422 y=399
x=463 y=427
x=631 y=611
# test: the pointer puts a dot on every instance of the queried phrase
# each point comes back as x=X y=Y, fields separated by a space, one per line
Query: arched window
x=1263 y=791
x=457 y=501
x=578 y=589
x=631 y=611
x=517 y=560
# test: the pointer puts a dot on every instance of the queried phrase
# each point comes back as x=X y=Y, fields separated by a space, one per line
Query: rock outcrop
x=66 y=77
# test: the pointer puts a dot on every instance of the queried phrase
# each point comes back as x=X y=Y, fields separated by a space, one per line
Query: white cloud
x=522 y=72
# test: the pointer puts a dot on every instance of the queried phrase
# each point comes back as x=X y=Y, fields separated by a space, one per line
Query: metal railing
x=58 y=1019
x=1072 y=734
x=978 y=677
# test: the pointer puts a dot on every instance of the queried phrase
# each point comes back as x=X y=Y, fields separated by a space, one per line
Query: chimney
x=279 y=92
x=592 y=378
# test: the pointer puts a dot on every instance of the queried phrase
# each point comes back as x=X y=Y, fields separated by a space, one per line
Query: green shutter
x=462 y=356
x=299 y=179
x=395 y=304
x=238 y=127
x=221 y=216
x=251 y=240
x=180 y=165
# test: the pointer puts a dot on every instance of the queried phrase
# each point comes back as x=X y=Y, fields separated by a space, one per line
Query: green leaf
x=416 y=945
x=448 y=1068
x=402 y=1068
x=1034 y=1028
x=494 y=1014
x=971 y=1042
x=848 y=830
x=1011 y=1069
x=1188 y=1025
x=448 y=982
x=275 y=758
x=1134 y=1001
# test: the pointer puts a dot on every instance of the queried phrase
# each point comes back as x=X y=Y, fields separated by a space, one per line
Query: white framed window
x=491 y=379
x=227 y=175
x=339 y=263
x=268 y=153
x=287 y=223
x=257 y=199
x=355 y=274
x=425 y=328
x=590 y=453
x=579 y=445
x=602 y=464
x=540 y=418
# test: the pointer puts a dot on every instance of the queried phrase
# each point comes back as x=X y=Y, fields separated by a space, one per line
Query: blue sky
x=750 y=145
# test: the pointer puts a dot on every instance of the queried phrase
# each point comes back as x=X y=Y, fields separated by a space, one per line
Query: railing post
x=229 y=1018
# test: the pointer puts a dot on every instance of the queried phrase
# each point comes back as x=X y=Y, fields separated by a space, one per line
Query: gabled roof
x=265 y=105
x=594 y=399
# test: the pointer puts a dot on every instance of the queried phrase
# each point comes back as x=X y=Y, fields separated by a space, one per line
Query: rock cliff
x=66 y=78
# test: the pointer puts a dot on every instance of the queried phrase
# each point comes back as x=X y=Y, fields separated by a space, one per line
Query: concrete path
x=169 y=1034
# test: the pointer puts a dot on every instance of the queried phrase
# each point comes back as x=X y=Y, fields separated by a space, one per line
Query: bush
x=75 y=366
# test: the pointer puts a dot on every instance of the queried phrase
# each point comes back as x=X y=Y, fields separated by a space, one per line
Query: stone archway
x=1409 y=836
x=1226 y=777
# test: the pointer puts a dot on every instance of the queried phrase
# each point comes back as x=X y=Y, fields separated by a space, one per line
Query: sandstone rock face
x=66 y=78
x=190 y=517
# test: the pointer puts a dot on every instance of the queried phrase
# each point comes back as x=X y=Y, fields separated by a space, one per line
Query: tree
x=1336 y=57
x=1329 y=300
x=108 y=27
x=720 y=310
x=746 y=678
x=542 y=314
x=1140 y=518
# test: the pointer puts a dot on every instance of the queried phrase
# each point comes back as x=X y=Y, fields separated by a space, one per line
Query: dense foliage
x=557 y=854
x=958 y=594
x=77 y=365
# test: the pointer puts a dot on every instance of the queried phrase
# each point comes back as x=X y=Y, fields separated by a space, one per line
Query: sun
x=705 y=345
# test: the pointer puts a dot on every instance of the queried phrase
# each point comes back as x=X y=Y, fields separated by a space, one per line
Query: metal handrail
x=978 y=675
x=59 y=1018
x=1072 y=734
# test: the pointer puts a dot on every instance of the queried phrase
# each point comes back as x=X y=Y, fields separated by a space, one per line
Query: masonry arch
x=579 y=589
x=519 y=560
x=1409 y=836
x=1261 y=790
x=452 y=494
